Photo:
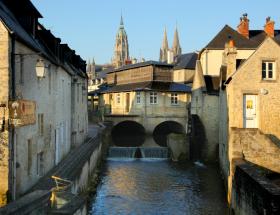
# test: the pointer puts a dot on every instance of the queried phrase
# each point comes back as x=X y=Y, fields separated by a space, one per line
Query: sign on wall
x=22 y=112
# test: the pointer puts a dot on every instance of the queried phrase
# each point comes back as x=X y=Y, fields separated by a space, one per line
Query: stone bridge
x=148 y=131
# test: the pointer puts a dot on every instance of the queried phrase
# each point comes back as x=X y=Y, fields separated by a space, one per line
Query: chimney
x=230 y=54
x=269 y=27
x=243 y=27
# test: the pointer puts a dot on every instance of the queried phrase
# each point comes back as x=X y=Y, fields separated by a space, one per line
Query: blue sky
x=90 y=26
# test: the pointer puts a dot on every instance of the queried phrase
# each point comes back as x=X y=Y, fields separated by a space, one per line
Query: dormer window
x=268 y=70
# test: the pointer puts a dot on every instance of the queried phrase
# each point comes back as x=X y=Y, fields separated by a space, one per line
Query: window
x=21 y=70
x=40 y=164
x=268 y=70
x=50 y=80
x=174 y=98
x=41 y=124
x=153 y=98
x=118 y=98
x=138 y=97
x=29 y=161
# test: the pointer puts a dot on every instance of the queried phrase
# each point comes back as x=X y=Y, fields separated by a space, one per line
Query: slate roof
x=103 y=73
x=150 y=86
x=11 y=22
x=36 y=44
x=256 y=37
x=186 y=61
x=142 y=64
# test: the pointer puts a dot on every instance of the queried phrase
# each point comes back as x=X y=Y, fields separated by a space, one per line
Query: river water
x=141 y=187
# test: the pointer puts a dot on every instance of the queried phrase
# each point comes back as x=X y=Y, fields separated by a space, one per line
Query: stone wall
x=255 y=190
x=253 y=146
x=206 y=107
x=4 y=96
x=180 y=147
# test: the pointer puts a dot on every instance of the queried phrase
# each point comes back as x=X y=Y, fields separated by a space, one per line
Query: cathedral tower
x=121 y=52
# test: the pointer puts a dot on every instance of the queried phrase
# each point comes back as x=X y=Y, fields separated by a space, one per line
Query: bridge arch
x=128 y=134
x=165 y=128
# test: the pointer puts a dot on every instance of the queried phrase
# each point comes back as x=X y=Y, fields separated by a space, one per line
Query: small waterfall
x=155 y=153
x=122 y=153
x=142 y=153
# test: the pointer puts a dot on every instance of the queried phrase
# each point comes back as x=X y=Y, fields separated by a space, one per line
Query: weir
x=133 y=153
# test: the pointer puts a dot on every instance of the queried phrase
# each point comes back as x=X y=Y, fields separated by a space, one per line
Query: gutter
x=12 y=171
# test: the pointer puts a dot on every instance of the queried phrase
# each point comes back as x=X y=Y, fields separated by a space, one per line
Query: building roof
x=103 y=73
x=8 y=18
x=142 y=64
x=186 y=61
x=150 y=86
x=38 y=43
x=256 y=37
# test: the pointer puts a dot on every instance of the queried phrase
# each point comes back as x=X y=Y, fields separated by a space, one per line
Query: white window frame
x=266 y=71
x=138 y=97
x=174 y=99
x=153 y=98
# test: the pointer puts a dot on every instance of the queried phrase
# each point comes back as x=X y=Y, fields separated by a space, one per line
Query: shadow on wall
x=128 y=134
x=198 y=138
x=162 y=131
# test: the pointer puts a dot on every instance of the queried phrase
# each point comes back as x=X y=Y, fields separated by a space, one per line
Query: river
x=141 y=187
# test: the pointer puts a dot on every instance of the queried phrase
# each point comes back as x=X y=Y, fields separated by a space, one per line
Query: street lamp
x=40 y=68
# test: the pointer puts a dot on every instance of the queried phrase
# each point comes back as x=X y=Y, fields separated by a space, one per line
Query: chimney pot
x=243 y=27
x=269 y=27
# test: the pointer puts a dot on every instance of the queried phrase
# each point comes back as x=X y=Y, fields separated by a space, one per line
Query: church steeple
x=164 y=48
x=121 y=52
x=176 y=48
x=121 y=23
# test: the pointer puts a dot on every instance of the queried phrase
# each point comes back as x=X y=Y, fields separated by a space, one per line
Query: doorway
x=250 y=111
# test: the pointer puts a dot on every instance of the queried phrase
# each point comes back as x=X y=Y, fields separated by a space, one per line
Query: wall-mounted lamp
x=40 y=68
x=263 y=91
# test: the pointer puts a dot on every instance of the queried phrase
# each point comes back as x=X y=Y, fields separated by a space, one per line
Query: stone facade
x=30 y=150
x=259 y=145
x=4 y=113
x=205 y=106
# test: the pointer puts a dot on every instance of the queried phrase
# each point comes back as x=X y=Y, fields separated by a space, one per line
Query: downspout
x=11 y=191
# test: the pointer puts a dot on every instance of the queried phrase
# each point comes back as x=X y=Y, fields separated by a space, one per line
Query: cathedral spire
x=121 y=52
x=176 y=48
x=164 y=48
x=121 y=23
x=165 y=41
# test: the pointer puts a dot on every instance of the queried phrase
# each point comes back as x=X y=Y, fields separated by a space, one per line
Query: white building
x=43 y=99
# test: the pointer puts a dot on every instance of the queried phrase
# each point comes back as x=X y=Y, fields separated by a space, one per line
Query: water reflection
x=159 y=188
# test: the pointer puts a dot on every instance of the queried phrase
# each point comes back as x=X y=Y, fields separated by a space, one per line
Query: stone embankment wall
x=253 y=146
x=78 y=167
x=255 y=190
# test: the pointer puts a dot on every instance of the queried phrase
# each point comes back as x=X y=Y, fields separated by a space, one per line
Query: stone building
x=143 y=101
x=167 y=54
x=121 y=52
x=204 y=102
x=43 y=99
x=242 y=113
x=205 y=116
x=249 y=109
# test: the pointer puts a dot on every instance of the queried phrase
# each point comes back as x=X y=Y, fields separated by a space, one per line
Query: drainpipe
x=12 y=170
